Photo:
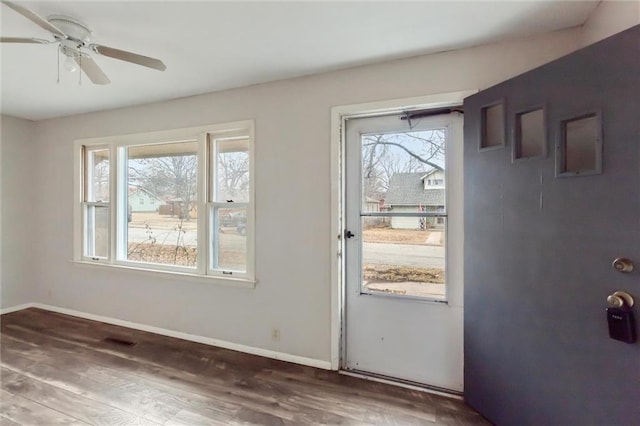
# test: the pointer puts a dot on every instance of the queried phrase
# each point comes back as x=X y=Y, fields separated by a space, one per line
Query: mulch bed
x=163 y=254
x=397 y=274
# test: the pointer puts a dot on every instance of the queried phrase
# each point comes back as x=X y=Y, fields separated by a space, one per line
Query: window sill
x=227 y=281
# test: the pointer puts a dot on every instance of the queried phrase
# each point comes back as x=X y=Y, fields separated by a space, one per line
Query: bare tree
x=384 y=155
x=100 y=178
x=233 y=176
x=169 y=176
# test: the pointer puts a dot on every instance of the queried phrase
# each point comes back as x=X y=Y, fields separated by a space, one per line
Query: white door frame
x=338 y=117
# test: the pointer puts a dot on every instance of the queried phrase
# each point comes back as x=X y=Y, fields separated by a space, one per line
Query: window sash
x=122 y=230
x=89 y=238
x=213 y=258
x=89 y=172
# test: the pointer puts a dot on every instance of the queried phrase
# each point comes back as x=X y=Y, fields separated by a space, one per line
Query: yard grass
x=395 y=236
x=158 y=221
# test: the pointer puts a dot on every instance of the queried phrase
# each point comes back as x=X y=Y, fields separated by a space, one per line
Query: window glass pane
x=403 y=170
x=230 y=242
x=97 y=231
x=404 y=256
x=231 y=170
x=531 y=134
x=162 y=203
x=97 y=175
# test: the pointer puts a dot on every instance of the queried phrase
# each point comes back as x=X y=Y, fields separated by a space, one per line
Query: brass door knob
x=620 y=299
x=622 y=264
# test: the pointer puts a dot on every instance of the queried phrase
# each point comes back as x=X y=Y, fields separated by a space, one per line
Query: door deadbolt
x=622 y=264
x=620 y=317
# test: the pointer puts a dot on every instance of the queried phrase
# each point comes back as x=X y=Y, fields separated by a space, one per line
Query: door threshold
x=403 y=383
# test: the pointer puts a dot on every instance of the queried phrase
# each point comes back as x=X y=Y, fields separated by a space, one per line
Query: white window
x=204 y=174
x=229 y=201
x=95 y=202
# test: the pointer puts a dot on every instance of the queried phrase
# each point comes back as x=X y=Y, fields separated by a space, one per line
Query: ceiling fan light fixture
x=70 y=64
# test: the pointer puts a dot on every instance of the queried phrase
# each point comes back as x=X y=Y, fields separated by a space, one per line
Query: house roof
x=408 y=189
x=427 y=174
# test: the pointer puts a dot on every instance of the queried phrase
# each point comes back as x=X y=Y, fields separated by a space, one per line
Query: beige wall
x=292 y=148
x=610 y=17
x=293 y=268
x=19 y=199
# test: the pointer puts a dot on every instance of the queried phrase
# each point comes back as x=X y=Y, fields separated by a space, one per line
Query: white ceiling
x=211 y=46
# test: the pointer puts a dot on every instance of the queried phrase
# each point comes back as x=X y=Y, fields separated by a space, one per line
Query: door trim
x=338 y=116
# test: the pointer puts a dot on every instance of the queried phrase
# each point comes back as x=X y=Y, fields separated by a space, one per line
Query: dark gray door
x=543 y=223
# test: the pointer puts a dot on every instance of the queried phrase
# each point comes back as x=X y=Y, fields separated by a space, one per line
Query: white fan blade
x=123 y=55
x=92 y=70
x=24 y=40
x=35 y=18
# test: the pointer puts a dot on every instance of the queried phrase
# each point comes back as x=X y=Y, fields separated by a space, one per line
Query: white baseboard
x=15 y=308
x=311 y=362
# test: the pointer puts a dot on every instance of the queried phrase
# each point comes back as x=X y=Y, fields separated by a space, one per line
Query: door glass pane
x=580 y=144
x=403 y=173
x=97 y=231
x=97 y=175
x=230 y=242
x=530 y=136
x=403 y=170
x=492 y=126
x=162 y=203
x=404 y=256
x=231 y=170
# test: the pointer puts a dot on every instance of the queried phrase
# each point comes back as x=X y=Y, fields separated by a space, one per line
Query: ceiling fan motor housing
x=78 y=34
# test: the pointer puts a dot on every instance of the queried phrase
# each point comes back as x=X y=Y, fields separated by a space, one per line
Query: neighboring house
x=142 y=200
x=414 y=192
x=176 y=206
x=371 y=205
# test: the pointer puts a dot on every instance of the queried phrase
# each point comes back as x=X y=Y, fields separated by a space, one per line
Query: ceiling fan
x=73 y=38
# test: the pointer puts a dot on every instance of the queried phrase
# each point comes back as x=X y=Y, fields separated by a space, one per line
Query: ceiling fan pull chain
x=80 y=70
x=58 y=82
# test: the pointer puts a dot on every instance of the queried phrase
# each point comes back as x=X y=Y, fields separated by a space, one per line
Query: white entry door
x=403 y=240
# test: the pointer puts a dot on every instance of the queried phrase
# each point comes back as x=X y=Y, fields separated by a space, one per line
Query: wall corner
x=608 y=18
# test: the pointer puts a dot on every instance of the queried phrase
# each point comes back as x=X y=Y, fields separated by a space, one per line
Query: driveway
x=403 y=255
x=229 y=238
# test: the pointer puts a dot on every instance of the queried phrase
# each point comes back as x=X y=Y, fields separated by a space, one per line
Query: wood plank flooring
x=57 y=369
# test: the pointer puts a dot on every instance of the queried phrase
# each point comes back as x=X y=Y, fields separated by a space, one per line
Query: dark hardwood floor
x=58 y=369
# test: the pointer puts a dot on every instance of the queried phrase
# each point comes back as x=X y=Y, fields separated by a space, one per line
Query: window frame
x=86 y=203
x=117 y=146
x=213 y=206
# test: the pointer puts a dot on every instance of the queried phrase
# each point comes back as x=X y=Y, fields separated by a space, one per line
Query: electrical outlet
x=275 y=333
